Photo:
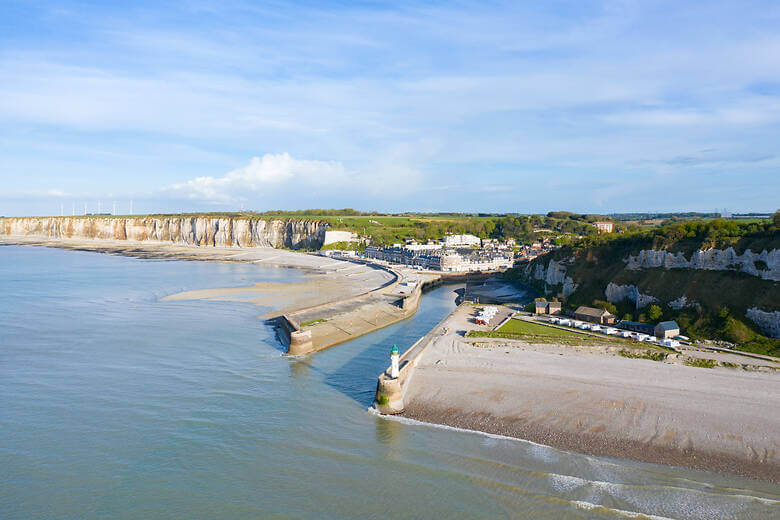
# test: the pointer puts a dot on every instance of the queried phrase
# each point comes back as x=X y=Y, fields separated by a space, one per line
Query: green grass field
x=534 y=329
x=538 y=333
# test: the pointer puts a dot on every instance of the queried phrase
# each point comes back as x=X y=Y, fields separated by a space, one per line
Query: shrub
x=701 y=363
x=654 y=312
x=653 y=356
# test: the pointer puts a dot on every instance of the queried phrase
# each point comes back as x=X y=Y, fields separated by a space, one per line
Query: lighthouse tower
x=394 y=370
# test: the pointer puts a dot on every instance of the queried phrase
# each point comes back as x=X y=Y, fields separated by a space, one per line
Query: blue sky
x=431 y=106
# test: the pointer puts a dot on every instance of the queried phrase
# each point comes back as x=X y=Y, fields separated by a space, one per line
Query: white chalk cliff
x=712 y=260
x=190 y=231
x=617 y=293
x=553 y=274
x=768 y=322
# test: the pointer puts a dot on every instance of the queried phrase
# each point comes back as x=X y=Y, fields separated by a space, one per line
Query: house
x=635 y=326
x=666 y=329
x=594 y=315
x=603 y=227
x=545 y=307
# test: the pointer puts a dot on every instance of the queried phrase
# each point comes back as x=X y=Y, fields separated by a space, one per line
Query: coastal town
x=452 y=254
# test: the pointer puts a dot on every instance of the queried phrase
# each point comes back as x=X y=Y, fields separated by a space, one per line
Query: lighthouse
x=394 y=362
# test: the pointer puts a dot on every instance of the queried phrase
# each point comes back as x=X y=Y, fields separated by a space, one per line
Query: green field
x=538 y=333
x=534 y=329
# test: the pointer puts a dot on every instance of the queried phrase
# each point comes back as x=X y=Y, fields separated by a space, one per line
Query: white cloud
x=282 y=174
x=262 y=173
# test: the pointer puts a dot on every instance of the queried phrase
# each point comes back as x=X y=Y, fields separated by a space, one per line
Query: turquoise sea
x=115 y=404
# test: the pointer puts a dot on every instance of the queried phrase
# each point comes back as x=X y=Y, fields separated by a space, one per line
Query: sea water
x=116 y=404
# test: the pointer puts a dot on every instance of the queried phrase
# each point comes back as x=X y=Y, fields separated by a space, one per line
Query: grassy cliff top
x=683 y=237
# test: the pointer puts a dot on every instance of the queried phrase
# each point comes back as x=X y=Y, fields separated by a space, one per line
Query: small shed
x=545 y=307
x=594 y=315
x=667 y=329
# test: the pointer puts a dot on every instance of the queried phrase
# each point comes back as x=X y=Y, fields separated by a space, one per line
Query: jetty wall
x=301 y=341
x=298 y=341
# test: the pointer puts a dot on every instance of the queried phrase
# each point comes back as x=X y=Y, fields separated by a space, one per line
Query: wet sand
x=326 y=280
x=337 y=301
x=582 y=399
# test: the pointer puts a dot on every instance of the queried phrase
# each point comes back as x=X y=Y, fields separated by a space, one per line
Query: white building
x=460 y=241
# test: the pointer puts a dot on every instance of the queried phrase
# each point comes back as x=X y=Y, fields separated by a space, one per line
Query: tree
x=776 y=218
x=601 y=304
x=654 y=312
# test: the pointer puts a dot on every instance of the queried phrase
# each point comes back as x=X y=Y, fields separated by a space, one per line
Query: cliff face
x=712 y=260
x=552 y=275
x=617 y=293
x=189 y=231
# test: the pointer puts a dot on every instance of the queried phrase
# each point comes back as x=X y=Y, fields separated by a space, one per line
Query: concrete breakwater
x=179 y=230
x=323 y=326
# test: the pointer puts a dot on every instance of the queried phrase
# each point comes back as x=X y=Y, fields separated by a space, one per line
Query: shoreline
x=590 y=400
x=444 y=423
x=590 y=444
x=152 y=250
x=339 y=300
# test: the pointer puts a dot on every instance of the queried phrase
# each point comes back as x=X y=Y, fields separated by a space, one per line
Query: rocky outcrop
x=768 y=322
x=552 y=275
x=189 y=231
x=768 y=262
x=617 y=293
x=681 y=303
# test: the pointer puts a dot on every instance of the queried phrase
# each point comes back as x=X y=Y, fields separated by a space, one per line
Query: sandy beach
x=588 y=400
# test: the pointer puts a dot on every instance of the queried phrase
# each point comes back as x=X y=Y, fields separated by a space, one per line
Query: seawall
x=323 y=326
x=199 y=231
